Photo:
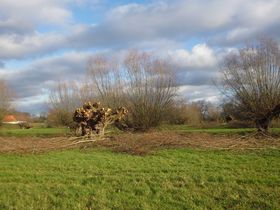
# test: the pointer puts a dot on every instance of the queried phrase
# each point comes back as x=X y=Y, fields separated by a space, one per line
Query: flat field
x=38 y=130
x=156 y=170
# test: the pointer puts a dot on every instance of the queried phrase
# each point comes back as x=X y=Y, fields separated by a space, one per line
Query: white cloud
x=19 y=14
x=260 y=13
x=33 y=29
x=201 y=56
x=32 y=104
x=232 y=20
x=42 y=74
x=202 y=92
x=17 y=46
x=168 y=19
x=148 y=25
x=240 y=34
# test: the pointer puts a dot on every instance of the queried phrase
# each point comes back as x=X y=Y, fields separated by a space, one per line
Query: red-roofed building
x=9 y=119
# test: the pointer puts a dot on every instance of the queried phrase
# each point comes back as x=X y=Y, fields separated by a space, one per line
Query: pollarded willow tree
x=251 y=78
x=143 y=83
x=93 y=118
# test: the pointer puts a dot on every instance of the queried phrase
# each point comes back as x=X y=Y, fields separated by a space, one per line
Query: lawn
x=40 y=131
x=215 y=130
x=205 y=171
x=182 y=178
x=34 y=132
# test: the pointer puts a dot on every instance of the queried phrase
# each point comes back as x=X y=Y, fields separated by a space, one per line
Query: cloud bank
x=56 y=38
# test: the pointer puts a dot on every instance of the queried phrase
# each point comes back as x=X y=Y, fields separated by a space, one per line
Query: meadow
x=39 y=131
x=157 y=170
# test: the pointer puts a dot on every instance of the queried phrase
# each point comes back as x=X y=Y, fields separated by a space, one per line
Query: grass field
x=215 y=130
x=40 y=131
x=198 y=171
x=169 y=179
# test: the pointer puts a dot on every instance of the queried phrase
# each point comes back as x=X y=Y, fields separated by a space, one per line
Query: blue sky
x=44 y=42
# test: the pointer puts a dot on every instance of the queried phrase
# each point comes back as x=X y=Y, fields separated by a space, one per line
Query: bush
x=275 y=123
x=58 y=117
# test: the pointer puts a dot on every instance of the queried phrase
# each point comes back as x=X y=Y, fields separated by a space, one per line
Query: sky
x=46 y=42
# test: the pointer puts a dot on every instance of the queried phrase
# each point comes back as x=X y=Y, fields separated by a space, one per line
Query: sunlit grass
x=38 y=132
x=216 y=130
x=169 y=179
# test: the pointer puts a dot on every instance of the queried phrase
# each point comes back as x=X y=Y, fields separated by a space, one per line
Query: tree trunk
x=84 y=129
x=263 y=124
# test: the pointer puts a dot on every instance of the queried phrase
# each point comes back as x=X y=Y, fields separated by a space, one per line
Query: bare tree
x=209 y=112
x=64 y=99
x=105 y=77
x=151 y=88
x=5 y=98
x=252 y=79
x=143 y=83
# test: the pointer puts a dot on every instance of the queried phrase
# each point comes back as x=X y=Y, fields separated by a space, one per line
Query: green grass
x=34 y=132
x=169 y=179
x=216 y=130
x=38 y=130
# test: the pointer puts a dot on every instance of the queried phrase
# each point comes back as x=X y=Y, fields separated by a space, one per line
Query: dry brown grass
x=141 y=144
x=31 y=144
x=138 y=144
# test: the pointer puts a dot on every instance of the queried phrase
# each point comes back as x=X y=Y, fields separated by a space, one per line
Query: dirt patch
x=138 y=144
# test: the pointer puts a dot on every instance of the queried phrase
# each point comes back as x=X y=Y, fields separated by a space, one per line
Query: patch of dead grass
x=140 y=143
